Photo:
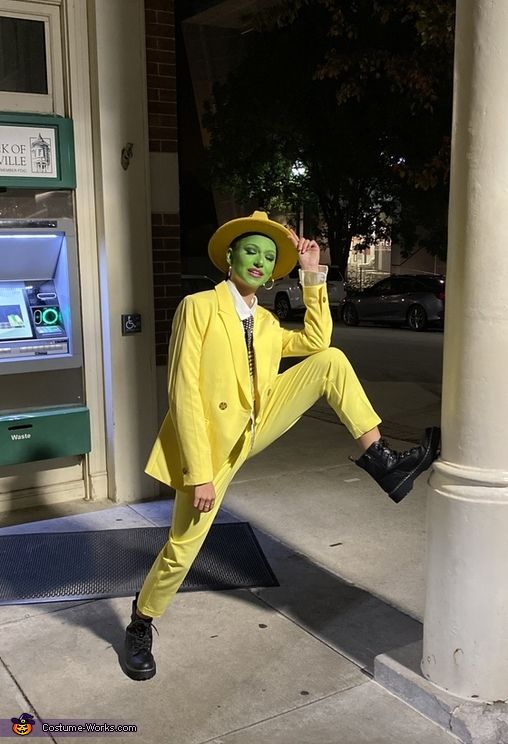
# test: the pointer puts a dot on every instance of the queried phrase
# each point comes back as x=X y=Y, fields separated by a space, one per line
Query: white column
x=466 y=619
x=118 y=86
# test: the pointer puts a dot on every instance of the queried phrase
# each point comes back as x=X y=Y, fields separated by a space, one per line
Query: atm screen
x=39 y=297
x=14 y=317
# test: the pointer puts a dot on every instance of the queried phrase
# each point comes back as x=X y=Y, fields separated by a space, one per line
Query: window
x=382 y=287
x=23 y=66
x=405 y=284
x=434 y=283
x=31 y=71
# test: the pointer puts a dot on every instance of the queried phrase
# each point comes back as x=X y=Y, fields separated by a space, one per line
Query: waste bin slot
x=19 y=426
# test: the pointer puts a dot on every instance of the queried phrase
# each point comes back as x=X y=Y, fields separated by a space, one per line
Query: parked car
x=285 y=298
x=417 y=300
x=192 y=283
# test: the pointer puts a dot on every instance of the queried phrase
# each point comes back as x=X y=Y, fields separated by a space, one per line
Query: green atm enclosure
x=42 y=408
x=42 y=414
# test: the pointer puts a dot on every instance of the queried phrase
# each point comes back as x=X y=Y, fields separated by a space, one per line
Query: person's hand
x=204 y=497
x=308 y=252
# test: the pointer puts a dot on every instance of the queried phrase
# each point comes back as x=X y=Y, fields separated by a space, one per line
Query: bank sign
x=27 y=152
x=36 y=151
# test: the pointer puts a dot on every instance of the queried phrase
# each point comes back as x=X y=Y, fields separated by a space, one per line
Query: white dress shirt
x=307 y=279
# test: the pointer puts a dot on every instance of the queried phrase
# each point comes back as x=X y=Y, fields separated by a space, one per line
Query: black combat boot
x=396 y=471
x=139 y=663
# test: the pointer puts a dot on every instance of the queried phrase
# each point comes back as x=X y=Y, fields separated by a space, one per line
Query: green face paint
x=252 y=261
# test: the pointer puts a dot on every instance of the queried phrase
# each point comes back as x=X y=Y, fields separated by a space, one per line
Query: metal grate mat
x=51 y=567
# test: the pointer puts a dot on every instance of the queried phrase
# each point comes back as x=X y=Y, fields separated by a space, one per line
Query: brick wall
x=162 y=127
x=161 y=77
x=166 y=277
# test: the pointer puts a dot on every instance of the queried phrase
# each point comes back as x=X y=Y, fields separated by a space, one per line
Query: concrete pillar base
x=465 y=649
x=472 y=723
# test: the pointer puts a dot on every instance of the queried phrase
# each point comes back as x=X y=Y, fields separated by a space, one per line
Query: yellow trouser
x=326 y=373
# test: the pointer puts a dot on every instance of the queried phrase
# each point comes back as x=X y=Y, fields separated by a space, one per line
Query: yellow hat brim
x=258 y=222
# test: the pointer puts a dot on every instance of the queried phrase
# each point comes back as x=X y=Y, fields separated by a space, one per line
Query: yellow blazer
x=210 y=396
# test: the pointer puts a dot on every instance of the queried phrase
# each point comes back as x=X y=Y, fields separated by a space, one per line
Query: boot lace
x=141 y=636
x=398 y=454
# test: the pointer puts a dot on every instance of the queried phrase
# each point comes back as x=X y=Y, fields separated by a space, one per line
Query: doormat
x=51 y=567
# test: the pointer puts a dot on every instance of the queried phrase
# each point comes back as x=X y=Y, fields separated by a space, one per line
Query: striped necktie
x=248 y=327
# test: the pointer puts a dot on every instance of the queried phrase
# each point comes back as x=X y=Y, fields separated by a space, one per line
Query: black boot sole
x=431 y=443
x=140 y=675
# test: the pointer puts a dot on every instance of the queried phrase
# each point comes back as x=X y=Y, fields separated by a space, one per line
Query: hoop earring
x=229 y=272
x=271 y=286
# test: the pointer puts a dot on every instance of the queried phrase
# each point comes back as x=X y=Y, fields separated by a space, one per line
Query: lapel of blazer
x=263 y=346
x=229 y=317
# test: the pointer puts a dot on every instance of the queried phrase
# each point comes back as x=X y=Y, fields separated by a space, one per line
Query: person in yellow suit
x=227 y=400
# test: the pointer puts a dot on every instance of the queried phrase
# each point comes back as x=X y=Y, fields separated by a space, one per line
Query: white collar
x=241 y=307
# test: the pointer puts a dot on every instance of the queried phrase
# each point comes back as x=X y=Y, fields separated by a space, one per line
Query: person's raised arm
x=317 y=331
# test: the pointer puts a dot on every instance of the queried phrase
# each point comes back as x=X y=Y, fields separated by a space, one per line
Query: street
x=390 y=354
x=400 y=370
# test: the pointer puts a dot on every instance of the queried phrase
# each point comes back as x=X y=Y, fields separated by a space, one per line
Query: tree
x=359 y=93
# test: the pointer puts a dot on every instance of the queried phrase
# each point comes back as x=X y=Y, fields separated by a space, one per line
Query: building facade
x=108 y=66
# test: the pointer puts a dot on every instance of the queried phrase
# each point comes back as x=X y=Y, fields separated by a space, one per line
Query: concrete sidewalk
x=285 y=665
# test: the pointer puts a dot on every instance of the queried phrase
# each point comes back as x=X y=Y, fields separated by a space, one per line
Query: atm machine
x=42 y=405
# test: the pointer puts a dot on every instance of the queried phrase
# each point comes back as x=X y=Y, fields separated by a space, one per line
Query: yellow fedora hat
x=257 y=222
